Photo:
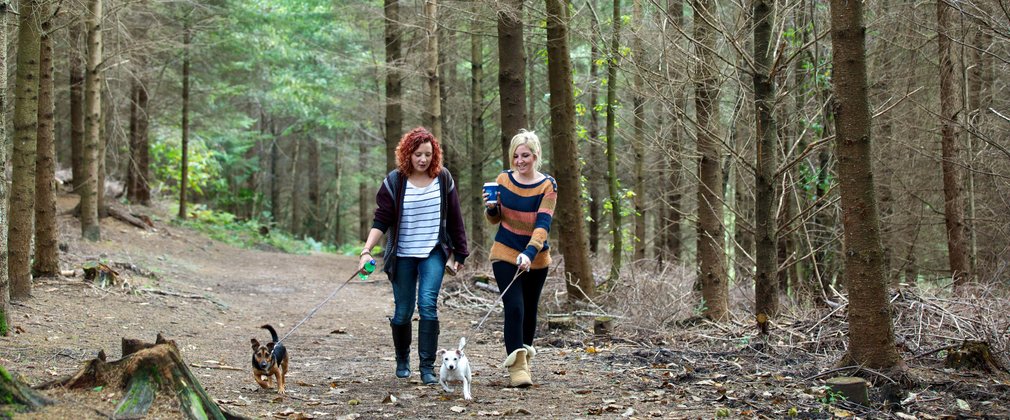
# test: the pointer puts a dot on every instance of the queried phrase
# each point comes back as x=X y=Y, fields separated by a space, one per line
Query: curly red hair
x=409 y=144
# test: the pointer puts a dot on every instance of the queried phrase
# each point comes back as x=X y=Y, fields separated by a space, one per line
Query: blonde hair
x=530 y=140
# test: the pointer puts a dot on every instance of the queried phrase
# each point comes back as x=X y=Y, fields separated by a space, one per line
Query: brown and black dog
x=269 y=360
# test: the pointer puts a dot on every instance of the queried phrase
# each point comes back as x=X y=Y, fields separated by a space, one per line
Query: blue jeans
x=420 y=278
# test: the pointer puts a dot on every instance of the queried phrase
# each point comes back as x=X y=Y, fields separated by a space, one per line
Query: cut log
x=16 y=397
x=121 y=214
x=603 y=326
x=973 y=355
x=852 y=388
x=143 y=367
x=560 y=322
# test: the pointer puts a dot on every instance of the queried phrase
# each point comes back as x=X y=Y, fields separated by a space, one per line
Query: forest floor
x=211 y=299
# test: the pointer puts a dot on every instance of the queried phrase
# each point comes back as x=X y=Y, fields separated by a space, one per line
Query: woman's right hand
x=365 y=258
x=487 y=196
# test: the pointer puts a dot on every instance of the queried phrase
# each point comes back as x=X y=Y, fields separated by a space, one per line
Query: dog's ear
x=459 y=353
x=255 y=344
x=270 y=346
x=440 y=352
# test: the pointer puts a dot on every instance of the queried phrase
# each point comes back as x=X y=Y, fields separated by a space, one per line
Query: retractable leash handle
x=500 y=295
x=363 y=273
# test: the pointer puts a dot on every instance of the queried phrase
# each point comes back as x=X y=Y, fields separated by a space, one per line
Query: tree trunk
x=950 y=107
x=617 y=245
x=22 y=201
x=638 y=145
x=137 y=189
x=511 y=74
x=338 y=196
x=47 y=261
x=594 y=176
x=144 y=370
x=766 y=291
x=315 y=224
x=675 y=166
x=433 y=113
x=476 y=152
x=297 y=168
x=871 y=332
x=5 y=144
x=184 y=167
x=571 y=223
x=90 y=229
x=711 y=248
x=364 y=198
x=275 y=177
x=76 y=111
x=394 y=107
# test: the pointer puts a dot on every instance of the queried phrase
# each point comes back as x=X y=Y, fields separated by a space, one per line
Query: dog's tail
x=462 y=342
x=273 y=333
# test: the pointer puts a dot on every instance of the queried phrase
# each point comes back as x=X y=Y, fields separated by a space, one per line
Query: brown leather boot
x=519 y=375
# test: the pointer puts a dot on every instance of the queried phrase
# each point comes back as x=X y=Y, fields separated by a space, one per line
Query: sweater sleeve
x=457 y=229
x=385 y=213
x=545 y=215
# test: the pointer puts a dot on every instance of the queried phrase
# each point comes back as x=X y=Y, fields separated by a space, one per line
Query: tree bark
x=137 y=189
x=433 y=113
x=511 y=74
x=675 y=166
x=594 y=176
x=766 y=291
x=90 y=228
x=617 y=245
x=871 y=332
x=315 y=224
x=571 y=223
x=394 y=106
x=297 y=168
x=46 y=262
x=184 y=166
x=476 y=150
x=5 y=144
x=22 y=201
x=711 y=247
x=77 y=111
x=950 y=108
x=365 y=199
x=638 y=145
x=275 y=176
x=338 y=199
x=18 y=397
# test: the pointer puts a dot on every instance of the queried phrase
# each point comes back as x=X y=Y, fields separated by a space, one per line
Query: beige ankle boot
x=519 y=375
x=530 y=353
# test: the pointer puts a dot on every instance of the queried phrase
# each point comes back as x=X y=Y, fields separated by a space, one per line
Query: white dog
x=455 y=367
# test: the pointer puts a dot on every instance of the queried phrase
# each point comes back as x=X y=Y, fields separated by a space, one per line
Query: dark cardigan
x=389 y=201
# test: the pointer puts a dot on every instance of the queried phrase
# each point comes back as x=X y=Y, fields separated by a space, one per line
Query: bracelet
x=365 y=252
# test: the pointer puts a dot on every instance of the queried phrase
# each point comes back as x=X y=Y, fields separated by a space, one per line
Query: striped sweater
x=523 y=215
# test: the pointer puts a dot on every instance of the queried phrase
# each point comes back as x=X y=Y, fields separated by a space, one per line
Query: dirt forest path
x=211 y=299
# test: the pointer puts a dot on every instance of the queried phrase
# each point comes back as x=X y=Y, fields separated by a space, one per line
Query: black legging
x=520 y=303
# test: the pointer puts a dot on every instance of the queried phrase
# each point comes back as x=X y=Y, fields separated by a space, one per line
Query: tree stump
x=144 y=370
x=16 y=397
x=560 y=322
x=603 y=326
x=852 y=388
x=974 y=355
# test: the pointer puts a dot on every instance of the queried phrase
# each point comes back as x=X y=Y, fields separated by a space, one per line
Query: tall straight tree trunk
x=594 y=175
x=394 y=106
x=476 y=150
x=638 y=144
x=76 y=110
x=338 y=199
x=140 y=165
x=617 y=245
x=571 y=223
x=275 y=177
x=871 y=332
x=184 y=168
x=47 y=261
x=365 y=199
x=446 y=76
x=766 y=291
x=90 y=229
x=296 y=179
x=131 y=164
x=433 y=113
x=315 y=202
x=711 y=246
x=950 y=107
x=511 y=74
x=22 y=204
x=5 y=144
x=675 y=9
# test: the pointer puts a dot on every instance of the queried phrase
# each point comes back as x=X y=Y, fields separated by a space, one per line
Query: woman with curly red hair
x=417 y=207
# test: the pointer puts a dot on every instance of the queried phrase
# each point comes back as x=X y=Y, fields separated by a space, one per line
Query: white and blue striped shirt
x=419 y=224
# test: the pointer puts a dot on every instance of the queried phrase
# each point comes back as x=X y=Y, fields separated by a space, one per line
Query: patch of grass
x=225 y=227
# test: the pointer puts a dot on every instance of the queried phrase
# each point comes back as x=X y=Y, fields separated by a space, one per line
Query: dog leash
x=320 y=305
x=518 y=273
